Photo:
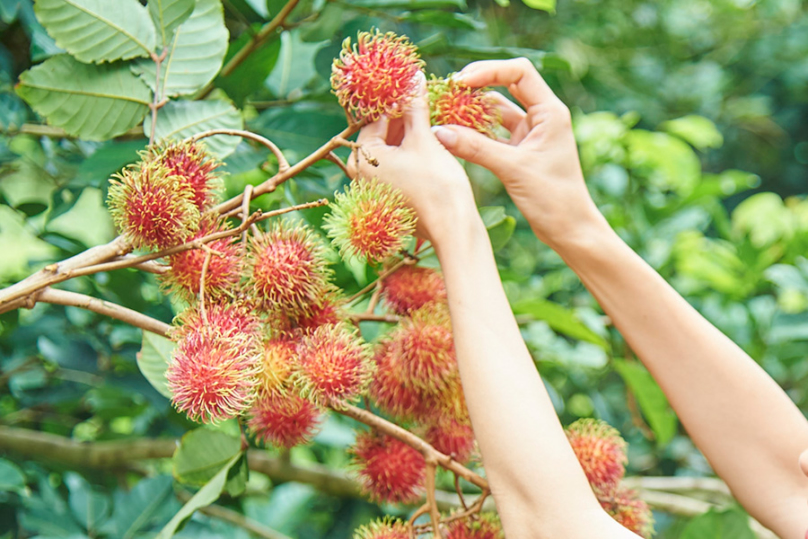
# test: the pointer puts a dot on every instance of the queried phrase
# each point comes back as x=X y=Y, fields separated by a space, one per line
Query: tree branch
x=235 y=518
x=283 y=164
x=113 y=310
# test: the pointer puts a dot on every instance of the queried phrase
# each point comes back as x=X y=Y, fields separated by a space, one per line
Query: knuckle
x=523 y=63
x=562 y=112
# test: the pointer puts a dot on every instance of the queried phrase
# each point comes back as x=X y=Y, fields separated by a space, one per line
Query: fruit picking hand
x=412 y=160
x=539 y=165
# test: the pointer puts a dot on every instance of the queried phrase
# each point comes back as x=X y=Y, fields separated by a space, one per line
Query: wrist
x=589 y=234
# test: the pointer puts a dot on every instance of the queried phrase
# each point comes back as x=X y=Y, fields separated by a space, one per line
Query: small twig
x=421 y=511
x=245 y=212
x=202 y=277
x=374 y=299
x=460 y=493
x=235 y=518
x=434 y=514
x=382 y=276
x=370 y=317
x=156 y=104
x=283 y=164
x=358 y=148
x=334 y=158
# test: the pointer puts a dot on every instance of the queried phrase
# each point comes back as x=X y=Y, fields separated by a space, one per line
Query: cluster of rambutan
x=602 y=453
x=379 y=75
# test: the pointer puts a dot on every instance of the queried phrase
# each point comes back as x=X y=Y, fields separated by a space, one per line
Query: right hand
x=539 y=164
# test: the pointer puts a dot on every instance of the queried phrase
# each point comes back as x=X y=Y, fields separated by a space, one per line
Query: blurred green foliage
x=690 y=116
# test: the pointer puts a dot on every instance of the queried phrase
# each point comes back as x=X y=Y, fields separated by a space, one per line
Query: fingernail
x=447 y=137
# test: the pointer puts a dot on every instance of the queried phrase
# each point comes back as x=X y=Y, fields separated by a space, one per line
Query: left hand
x=411 y=159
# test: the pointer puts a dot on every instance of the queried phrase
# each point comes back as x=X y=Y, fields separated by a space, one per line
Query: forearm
x=538 y=484
x=745 y=425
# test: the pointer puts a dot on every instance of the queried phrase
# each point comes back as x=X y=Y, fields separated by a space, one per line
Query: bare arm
x=538 y=485
x=745 y=425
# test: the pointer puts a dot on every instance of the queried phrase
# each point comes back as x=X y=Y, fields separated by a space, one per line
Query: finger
x=375 y=133
x=416 y=116
x=475 y=147
x=511 y=114
x=518 y=75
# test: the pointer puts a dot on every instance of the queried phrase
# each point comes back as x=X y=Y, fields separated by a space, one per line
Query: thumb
x=470 y=145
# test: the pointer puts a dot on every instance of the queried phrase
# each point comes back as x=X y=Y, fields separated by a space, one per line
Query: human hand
x=539 y=164
x=411 y=159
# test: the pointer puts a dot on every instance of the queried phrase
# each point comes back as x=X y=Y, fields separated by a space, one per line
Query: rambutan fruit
x=376 y=76
x=369 y=220
x=454 y=102
x=213 y=375
x=486 y=526
x=426 y=347
x=152 y=208
x=283 y=419
x=411 y=287
x=227 y=317
x=334 y=365
x=390 y=470
x=386 y=528
x=392 y=393
x=288 y=270
x=634 y=514
x=601 y=451
x=451 y=437
x=190 y=162
x=327 y=311
x=280 y=361
x=224 y=268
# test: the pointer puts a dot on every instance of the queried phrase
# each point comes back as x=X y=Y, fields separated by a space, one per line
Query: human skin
x=752 y=434
x=539 y=487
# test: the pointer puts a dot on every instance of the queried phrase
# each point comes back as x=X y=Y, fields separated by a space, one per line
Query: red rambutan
x=452 y=437
x=385 y=528
x=456 y=103
x=426 y=348
x=228 y=318
x=288 y=268
x=634 y=514
x=487 y=526
x=390 y=470
x=412 y=287
x=190 y=162
x=280 y=360
x=283 y=420
x=376 y=76
x=601 y=451
x=223 y=272
x=393 y=394
x=334 y=365
x=213 y=374
x=329 y=310
x=369 y=220
x=152 y=208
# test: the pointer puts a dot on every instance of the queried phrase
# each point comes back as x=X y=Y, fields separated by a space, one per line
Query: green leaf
x=652 y=400
x=98 y=30
x=90 y=508
x=715 y=524
x=182 y=119
x=88 y=221
x=500 y=226
x=108 y=159
x=237 y=477
x=93 y=102
x=302 y=128
x=136 y=509
x=446 y=19
x=250 y=76
x=697 y=130
x=559 y=318
x=202 y=453
x=543 y=5
x=195 y=54
x=408 y=4
x=167 y=15
x=666 y=161
x=153 y=360
x=204 y=497
x=20 y=247
x=439 y=45
x=11 y=477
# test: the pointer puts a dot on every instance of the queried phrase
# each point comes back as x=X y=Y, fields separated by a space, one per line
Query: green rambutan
x=287 y=268
x=152 y=208
x=376 y=76
x=412 y=287
x=369 y=220
x=452 y=102
x=390 y=470
x=334 y=365
x=280 y=361
x=601 y=451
